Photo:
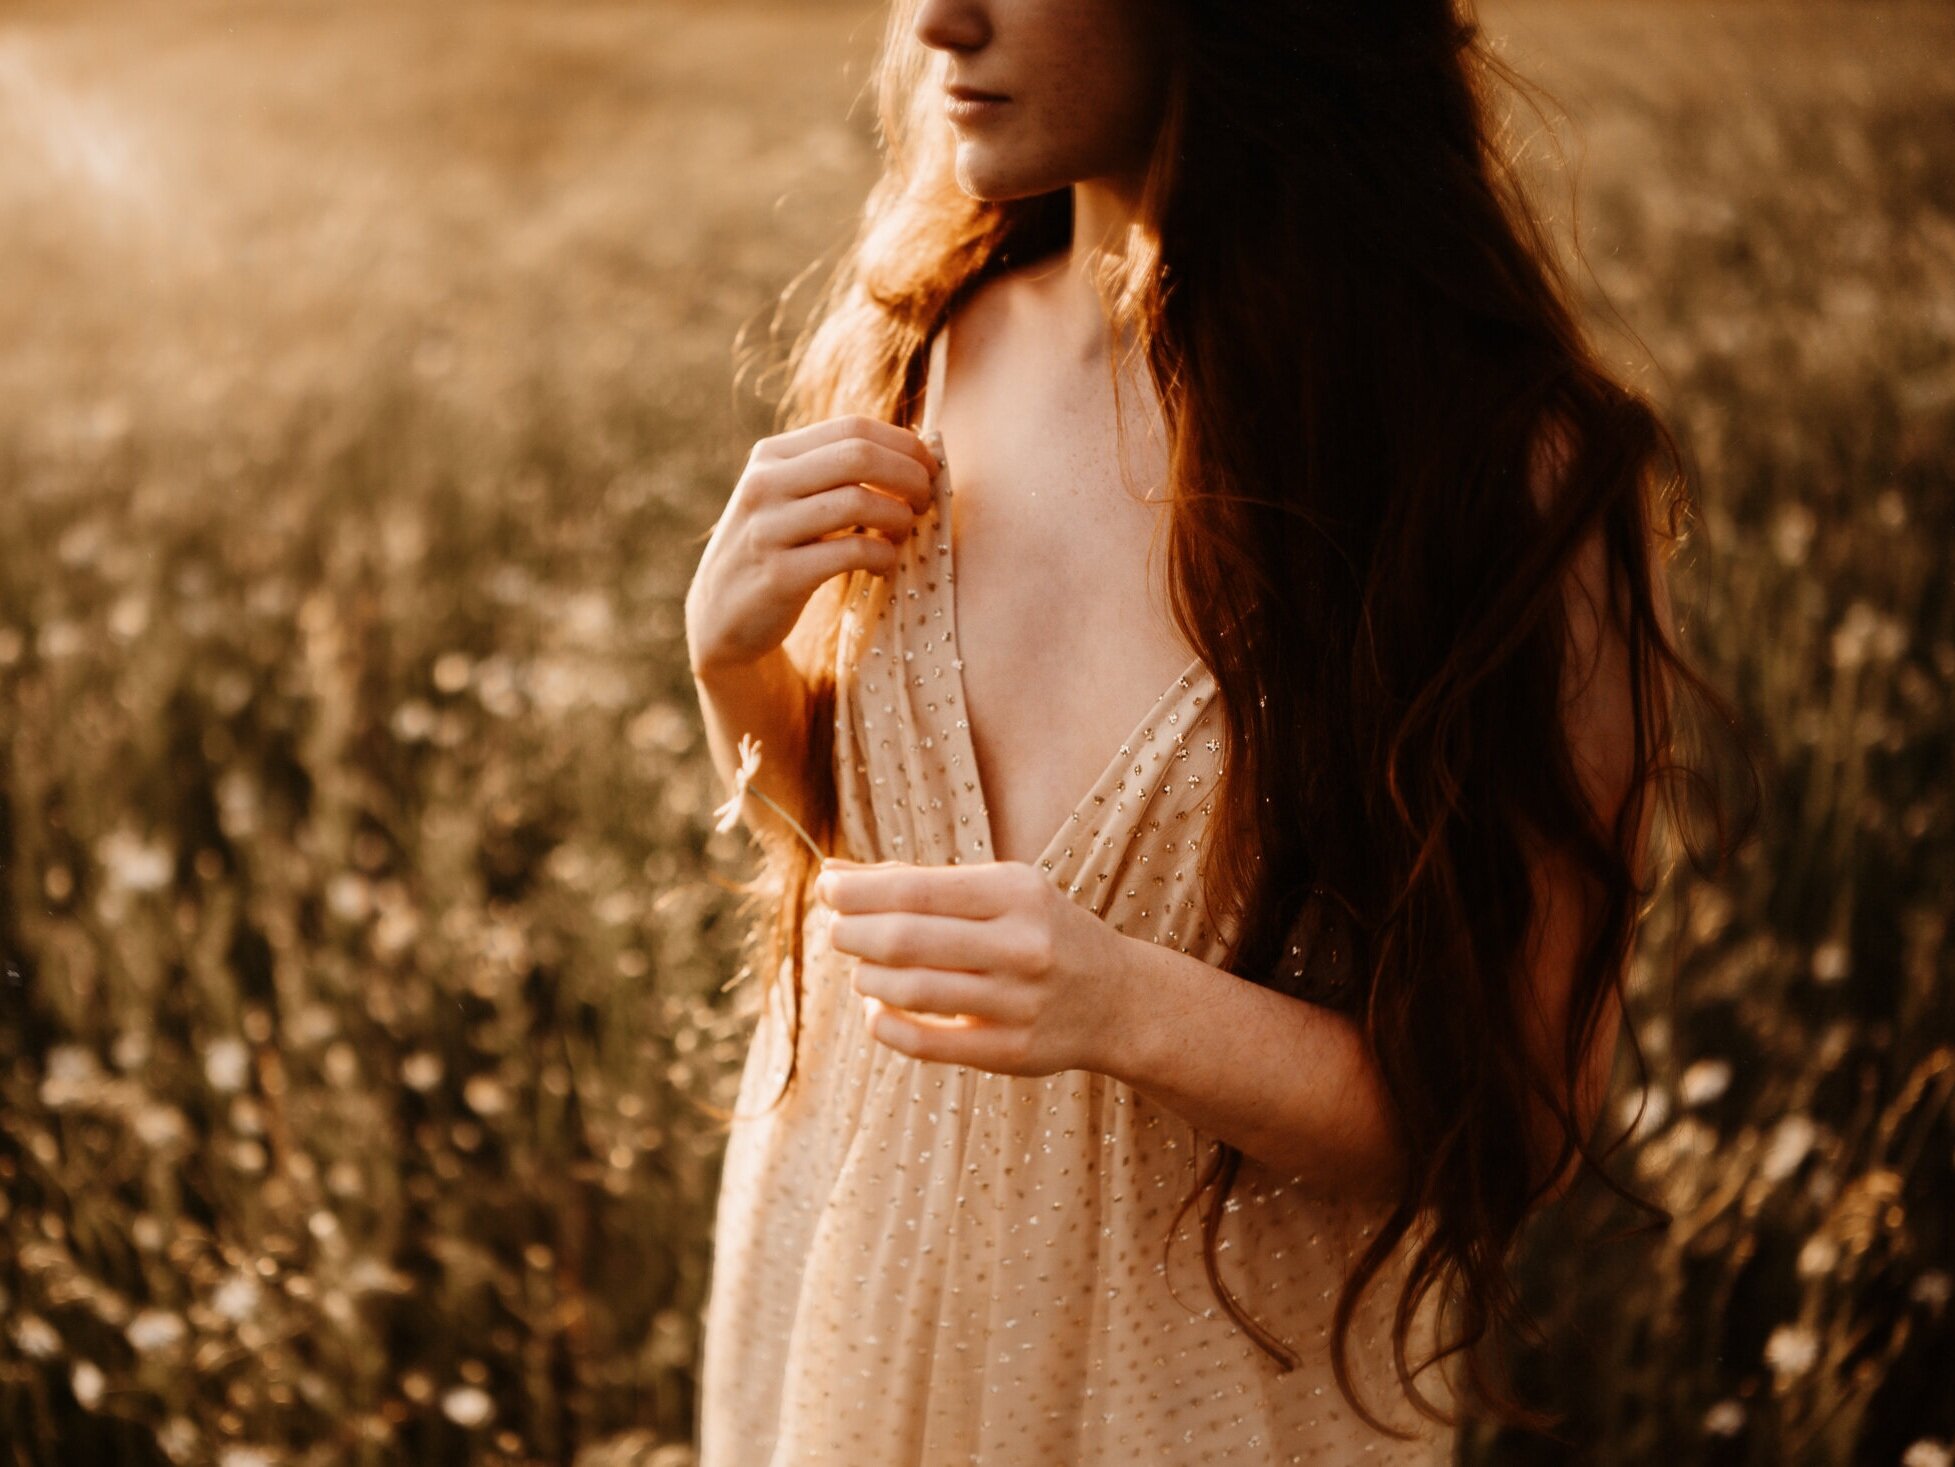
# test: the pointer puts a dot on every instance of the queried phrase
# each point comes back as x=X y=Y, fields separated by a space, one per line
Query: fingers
x=1002 y=1049
x=807 y=566
x=799 y=521
x=859 y=461
x=849 y=425
x=852 y=449
x=980 y=890
x=935 y=991
x=905 y=939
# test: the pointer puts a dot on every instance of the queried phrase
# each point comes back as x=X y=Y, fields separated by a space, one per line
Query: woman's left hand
x=988 y=965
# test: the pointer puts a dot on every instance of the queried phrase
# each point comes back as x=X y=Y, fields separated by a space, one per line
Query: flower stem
x=805 y=837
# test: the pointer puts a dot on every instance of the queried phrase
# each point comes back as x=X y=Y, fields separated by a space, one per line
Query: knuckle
x=758 y=481
x=1032 y=944
x=1040 y=950
x=1028 y=891
x=853 y=459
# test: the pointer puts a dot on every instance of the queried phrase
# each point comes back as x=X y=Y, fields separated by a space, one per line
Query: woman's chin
x=992 y=180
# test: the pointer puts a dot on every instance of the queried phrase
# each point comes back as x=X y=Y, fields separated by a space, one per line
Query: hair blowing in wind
x=1390 y=443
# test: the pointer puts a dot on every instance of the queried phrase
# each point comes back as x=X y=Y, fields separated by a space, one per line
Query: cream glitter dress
x=920 y=1263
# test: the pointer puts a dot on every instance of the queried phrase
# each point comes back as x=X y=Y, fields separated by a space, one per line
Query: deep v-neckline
x=1195 y=675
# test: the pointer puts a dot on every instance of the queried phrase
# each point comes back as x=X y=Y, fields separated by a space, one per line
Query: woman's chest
x=1060 y=607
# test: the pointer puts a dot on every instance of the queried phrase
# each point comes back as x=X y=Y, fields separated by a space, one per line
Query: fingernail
x=934 y=441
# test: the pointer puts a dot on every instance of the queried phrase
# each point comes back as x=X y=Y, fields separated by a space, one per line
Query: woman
x=1196 y=422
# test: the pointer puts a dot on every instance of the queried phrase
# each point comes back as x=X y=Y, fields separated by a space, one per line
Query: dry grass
x=367 y=387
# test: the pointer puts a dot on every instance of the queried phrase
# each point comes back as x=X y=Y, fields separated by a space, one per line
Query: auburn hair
x=1366 y=353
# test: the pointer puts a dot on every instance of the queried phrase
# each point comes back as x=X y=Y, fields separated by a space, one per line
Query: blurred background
x=368 y=386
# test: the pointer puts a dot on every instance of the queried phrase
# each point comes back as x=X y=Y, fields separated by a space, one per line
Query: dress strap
x=933 y=382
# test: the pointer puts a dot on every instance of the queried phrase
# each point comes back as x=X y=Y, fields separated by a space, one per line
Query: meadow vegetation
x=369 y=958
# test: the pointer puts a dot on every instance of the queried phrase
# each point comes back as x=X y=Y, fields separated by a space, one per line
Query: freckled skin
x=919 y=1260
x=1058 y=483
x=1084 y=78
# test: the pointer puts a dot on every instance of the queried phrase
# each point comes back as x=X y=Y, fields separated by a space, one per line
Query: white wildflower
x=1726 y=1418
x=485 y=1095
x=1704 y=1081
x=130 y=1049
x=1853 y=637
x=226 y=1063
x=1791 y=1349
x=422 y=1070
x=237 y=1297
x=1654 y=1103
x=1831 y=962
x=72 y=1063
x=1931 y=1288
x=178 y=1438
x=369 y=1275
x=348 y=897
x=154 y=1329
x=467 y=1406
x=413 y=721
x=34 y=1336
x=160 y=1125
x=73 y=1075
x=728 y=815
x=1791 y=1139
x=1928 y=1452
x=88 y=1383
x=1817 y=1256
x=1792 y=533
x=451 y=672
x=340 y=1064
x=134 y=864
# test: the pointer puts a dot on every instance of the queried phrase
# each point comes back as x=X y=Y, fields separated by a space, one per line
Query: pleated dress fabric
x=921 y=1263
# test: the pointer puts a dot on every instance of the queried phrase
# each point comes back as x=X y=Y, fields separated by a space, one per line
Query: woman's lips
x=973 y=106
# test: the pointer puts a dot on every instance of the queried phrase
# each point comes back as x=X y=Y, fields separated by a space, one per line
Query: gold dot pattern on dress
x=919 y=1263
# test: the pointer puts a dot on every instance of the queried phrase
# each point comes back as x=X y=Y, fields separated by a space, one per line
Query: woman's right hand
x=814 y=502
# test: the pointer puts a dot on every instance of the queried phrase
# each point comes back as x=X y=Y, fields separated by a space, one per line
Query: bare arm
x=1289 y=1083
x=767 y=698
x=812 y=505
x=1293 y=1084
x=991 y=965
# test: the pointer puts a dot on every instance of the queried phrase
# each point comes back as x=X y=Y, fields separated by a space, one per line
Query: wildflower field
x=367 y=951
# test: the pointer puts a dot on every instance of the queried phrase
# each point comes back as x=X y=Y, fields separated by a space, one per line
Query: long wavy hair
x=1365 y=353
